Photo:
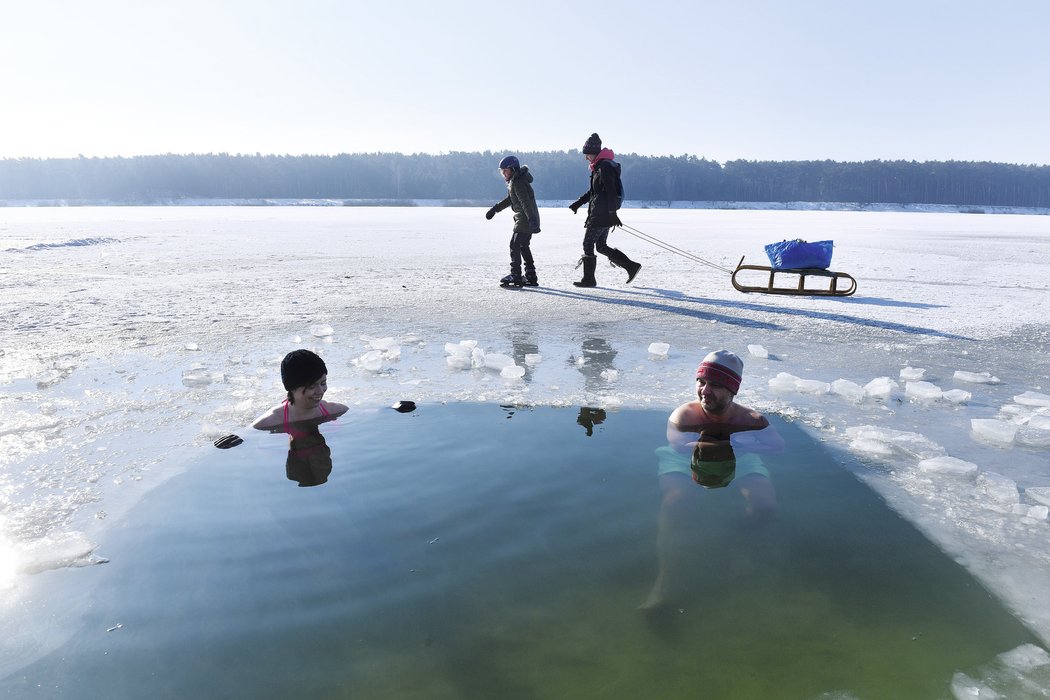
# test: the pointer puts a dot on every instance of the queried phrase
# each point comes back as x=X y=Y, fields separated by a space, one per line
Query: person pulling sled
x=522 y=201
x=603 y=201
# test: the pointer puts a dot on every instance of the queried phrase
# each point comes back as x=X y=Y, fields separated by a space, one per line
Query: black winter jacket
x=522 y=201
x=603 y=197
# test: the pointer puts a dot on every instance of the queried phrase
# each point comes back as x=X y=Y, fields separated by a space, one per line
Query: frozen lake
x=133 y=337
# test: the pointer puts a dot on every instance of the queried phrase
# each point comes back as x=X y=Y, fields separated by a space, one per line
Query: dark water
x=473 y=551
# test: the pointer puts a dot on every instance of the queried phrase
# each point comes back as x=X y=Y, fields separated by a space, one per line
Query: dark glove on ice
x=616 y=220
x=490 y=213
x=574 y=207
x=228 y=441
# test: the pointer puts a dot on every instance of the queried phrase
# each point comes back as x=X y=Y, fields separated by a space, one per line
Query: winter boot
x=512 y=280
x=617 y=257
x=589 y=262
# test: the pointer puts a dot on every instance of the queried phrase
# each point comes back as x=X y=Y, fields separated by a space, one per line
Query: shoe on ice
x=512 y=281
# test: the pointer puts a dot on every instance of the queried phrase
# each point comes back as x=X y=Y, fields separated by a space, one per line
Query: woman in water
x=305 y=378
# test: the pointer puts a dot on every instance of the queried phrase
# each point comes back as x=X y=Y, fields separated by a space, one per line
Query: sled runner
x=771 y=286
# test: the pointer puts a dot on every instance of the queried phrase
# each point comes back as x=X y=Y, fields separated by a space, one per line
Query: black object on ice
x=228 y=441
x=512 y=281
x=404 y=406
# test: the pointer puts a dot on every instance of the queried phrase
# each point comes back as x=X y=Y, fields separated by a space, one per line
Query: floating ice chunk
x=878 y=448
x=1025 y=658
x=658 y=351
x=56 y=551
x=1032 y=398
x=1038 y=512
x=948 y=465
x=1039 y=494
x=191 y=346
x=512 y=372
x=956 y=396
x=912 y=374
x=880 y=387
x=581 y=361
x=922 y=391
x=975 y=377
x=610 y=402
x=789 y=382
x=966 y=688
x=1039 y=422
x=371 y=361
x=381 y=343
x=477 y=358
x=498 y=361
x=198 y=376
x=812 y=386
x=609 y=375
x=994 y=431
x=783 y=382
x=758 y=351
x=998 y=488
x=460 y=354
x=1032 y=437
x=533 y=359
x=848 y=390
x=297 y=339
x=321 y=330
x=458 y=361
x=900 y=442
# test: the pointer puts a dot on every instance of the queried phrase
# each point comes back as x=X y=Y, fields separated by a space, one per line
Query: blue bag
x=800 y=254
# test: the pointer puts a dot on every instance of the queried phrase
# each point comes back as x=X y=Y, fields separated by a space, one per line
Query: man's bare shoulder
x=748 y=418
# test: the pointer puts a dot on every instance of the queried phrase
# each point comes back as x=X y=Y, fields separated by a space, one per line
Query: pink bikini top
x=324 y=412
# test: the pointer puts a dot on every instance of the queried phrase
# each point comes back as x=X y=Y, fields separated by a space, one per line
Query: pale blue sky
x=754 y=79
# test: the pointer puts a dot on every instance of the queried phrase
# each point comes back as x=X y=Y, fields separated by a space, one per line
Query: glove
x=574 y=207
x=490 y=213
x=616 y=220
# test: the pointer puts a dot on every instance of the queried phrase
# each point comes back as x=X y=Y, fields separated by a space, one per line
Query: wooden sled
x=803 y=273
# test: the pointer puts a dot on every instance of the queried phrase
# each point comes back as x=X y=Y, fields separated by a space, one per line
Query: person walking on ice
x=603 y=200
x=522 y=201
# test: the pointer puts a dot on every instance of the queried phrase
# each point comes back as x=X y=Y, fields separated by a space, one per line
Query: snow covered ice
x=171 y=330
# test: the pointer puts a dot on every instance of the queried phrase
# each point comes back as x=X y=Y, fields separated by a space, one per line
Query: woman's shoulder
x=270 y=418
x=335 y=409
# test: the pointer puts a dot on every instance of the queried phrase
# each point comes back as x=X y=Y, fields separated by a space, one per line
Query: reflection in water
x=522 y=348
x=597 y=357
x=309 y=459
x=714 y=462
x=590 y=417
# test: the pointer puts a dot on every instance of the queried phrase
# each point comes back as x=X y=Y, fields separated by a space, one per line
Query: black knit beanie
x=301 y=368
x=593 y=146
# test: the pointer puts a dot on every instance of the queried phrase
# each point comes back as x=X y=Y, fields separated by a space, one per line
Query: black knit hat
x=301 y=368
x=593 y=146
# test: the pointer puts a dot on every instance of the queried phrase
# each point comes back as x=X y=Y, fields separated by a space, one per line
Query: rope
x=673 y=249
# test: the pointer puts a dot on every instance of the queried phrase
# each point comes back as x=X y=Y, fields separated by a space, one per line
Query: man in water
x=701 y=437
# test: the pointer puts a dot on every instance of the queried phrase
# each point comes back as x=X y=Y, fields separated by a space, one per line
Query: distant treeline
x=559 y=175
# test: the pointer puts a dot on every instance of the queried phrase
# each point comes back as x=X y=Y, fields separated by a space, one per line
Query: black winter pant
x=520 y=250
x=595 y=239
